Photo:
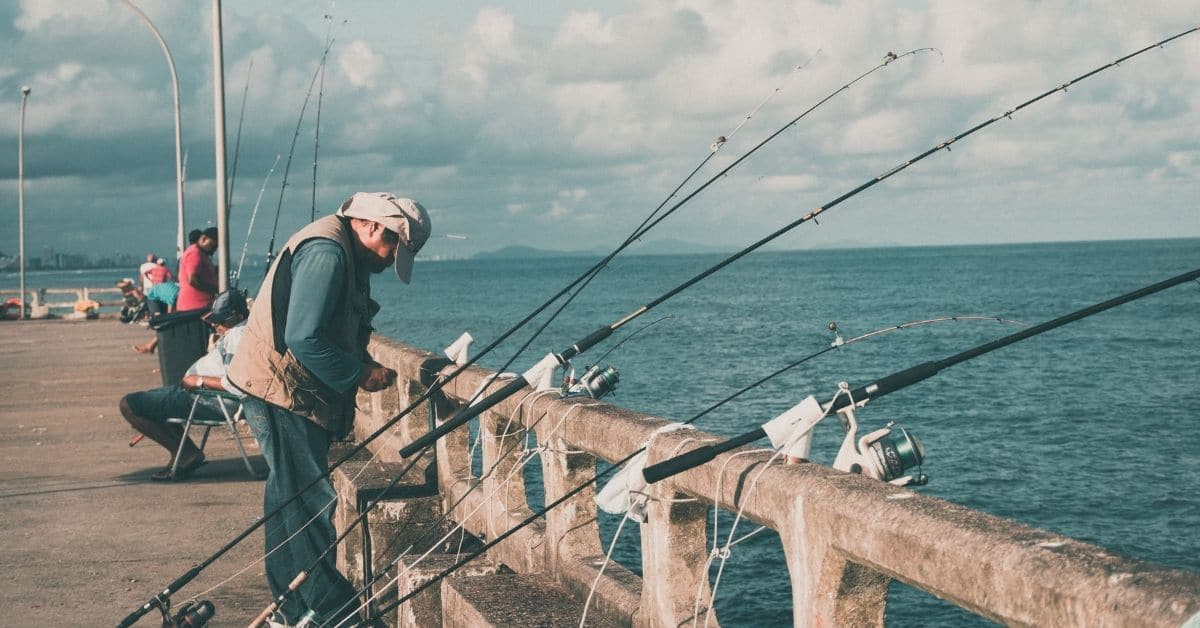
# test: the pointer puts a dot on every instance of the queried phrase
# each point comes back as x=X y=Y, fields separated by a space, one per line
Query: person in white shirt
x=148 y=410
x=146 y=267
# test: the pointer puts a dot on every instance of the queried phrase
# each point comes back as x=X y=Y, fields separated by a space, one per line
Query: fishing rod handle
x=696 y=457
x=463 y=416
x=588 y=342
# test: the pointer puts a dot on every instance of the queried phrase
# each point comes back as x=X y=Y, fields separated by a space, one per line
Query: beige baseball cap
x=400 y=215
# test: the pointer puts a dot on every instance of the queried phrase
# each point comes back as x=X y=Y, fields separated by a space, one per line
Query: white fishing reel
x=885 y=454
x=596 y=382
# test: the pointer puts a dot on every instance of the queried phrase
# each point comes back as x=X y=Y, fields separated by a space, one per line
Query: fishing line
x=237 y=142
x=253 y=214
x=725 y=552
x=320 y=98
x=291 y=151
x=905 y=378
x=437 y=386
x=612 y=546
x=616 y=465
x=604 y=332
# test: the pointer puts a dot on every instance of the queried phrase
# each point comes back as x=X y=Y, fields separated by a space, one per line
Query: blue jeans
x=297 y=452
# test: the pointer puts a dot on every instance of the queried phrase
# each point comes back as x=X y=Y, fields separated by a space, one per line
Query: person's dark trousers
x=297 y=451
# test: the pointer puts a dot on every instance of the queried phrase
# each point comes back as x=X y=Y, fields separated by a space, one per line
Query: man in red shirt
x=197 y=274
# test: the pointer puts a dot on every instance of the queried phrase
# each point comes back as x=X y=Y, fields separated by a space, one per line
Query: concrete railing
x=42 y=301
x=844 y=536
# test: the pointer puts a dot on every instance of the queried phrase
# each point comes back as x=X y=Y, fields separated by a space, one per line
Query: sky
x=562 y=125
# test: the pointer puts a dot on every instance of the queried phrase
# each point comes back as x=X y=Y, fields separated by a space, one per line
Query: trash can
x=182 y=339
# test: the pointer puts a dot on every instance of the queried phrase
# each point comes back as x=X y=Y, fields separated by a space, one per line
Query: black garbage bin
x=182 y=339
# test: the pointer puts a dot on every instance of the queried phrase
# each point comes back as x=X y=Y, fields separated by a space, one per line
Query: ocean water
x=1091 y=430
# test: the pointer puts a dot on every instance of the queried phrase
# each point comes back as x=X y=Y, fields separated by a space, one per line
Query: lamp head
x=25 y=89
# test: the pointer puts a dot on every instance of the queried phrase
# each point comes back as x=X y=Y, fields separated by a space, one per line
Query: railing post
x=571 y=529
x=828 y=589
x=502 y=444
x=674 y=556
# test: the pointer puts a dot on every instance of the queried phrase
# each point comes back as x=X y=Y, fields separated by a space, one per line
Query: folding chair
x=225 y=402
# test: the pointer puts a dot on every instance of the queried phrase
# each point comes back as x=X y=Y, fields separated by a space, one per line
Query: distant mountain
x=672 y=246
x=667 y=246
x=529 y=252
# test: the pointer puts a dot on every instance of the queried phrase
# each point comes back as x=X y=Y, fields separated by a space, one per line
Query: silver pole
x=219 y=133
x=21 y=193
x=179 y=233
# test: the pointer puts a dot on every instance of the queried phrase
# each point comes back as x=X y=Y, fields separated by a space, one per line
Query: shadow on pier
x=85 y=536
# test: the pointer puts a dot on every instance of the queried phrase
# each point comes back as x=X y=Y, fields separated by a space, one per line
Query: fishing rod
x=438 y=385
x=585 y=279
x=838 y=343
x=650 y=221
x=237 y=142
x=253 y=214
x=552 y=360
x=317 y=126
x=296 y=135
x=905 y=378
x=603 y=333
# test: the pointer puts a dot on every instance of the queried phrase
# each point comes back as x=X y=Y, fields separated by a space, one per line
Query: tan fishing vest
x=263 y=365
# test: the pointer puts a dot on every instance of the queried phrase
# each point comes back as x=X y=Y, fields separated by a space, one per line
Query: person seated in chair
x=148 y=410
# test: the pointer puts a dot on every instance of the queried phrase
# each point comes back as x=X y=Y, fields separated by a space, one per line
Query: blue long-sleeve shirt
x=318 y=278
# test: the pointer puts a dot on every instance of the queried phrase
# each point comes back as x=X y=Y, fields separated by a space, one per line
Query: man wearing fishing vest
x=301 y=360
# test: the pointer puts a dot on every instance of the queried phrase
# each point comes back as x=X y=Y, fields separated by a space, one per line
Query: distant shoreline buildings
x=51 y=260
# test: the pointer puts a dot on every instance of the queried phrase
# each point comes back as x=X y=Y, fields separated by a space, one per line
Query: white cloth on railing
x=617 y=497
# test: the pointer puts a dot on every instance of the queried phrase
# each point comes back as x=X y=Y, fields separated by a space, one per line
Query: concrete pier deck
x=85 y=536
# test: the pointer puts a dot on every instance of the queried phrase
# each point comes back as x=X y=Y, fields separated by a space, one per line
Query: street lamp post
x=21 y=194
x=219 y=135
x=179 y=243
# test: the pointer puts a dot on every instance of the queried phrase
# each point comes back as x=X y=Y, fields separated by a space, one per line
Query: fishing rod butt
x=468 y=413
x=673 y=466
x=698 y=456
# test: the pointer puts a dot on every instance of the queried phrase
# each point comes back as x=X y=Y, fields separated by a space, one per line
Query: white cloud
x=558 y=115
x=360 y=64
x=884 y=132
x=37 y=14
x=789 y=183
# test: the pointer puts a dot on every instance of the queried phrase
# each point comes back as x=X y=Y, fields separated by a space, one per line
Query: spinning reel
x=189 y=615
x=596 y=382
x=884 y=454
